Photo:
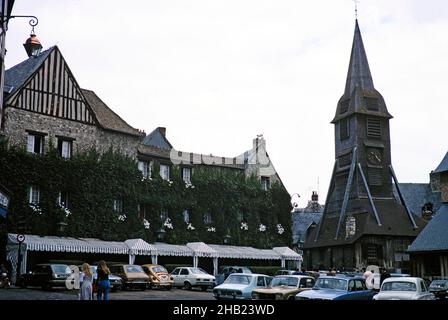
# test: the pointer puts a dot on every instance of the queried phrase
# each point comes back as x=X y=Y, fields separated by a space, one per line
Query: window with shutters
x=344 y=106
x=35 y=143
x=372 y=252
x=373 y=127
x=344 y=129
x=371 y=103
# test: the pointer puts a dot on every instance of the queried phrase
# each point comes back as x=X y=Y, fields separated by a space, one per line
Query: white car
x=189 y=277
x=404 y=288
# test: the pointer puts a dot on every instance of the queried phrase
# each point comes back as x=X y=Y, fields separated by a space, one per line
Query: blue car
x=239 y=286
x=338 y=288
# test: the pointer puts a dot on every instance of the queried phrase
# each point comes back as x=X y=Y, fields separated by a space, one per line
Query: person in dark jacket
x=103 y=282
x=384 y=275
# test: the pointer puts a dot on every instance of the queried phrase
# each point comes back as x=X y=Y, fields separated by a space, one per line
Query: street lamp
x=294 y=203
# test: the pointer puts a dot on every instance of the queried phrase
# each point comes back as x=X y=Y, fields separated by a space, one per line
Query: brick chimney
x=259 y=143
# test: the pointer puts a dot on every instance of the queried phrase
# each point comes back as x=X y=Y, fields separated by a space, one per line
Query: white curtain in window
x=30 y=144
x=34 y=195
x=186 y=175
x=165 y=172
x=66 y=149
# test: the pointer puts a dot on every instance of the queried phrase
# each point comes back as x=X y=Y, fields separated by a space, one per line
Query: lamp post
x=294 y=203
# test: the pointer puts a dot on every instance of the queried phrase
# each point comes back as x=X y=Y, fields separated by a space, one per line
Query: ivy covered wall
x=237 y=205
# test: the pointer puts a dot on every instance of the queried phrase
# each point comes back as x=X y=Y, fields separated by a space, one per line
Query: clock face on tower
x=374 y=157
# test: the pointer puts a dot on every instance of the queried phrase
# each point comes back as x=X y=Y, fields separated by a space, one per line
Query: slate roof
x=359 y=84
x=157 y=139
x=16 y=76
x=301 y=221
x=106 y=117
x=416 y=195
x=435 y=236
x=394 y=222
x=443 y=166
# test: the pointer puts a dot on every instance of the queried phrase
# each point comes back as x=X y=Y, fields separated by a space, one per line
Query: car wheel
x=291 y=298
x=204 y=288
x=114 y=289
x=187 y=285
x=168 y=288
x=143 y=287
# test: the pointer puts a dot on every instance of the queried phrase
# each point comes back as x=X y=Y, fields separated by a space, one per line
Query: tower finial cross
x=356 y=8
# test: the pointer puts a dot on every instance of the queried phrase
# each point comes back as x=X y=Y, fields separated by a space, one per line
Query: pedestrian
x=384 y=275
x=103 y=281
x=86 y=286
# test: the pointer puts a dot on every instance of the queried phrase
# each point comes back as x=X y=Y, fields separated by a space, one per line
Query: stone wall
x=86 y=136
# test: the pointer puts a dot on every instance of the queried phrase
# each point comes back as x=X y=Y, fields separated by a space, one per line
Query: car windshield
x=134 y=269
x=399 y=286
x=330 y=283
x=439 y=283
x=197 y=271
x=159 y=269
x=284 y=281
x=238 y=279
x=61 y=269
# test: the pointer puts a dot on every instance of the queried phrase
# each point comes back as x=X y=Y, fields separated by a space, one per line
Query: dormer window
x=344 y=106
x=371 y=103
x=265 y=183
x=344 y=129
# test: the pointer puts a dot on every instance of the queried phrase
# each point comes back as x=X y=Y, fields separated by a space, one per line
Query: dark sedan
x=439 y=288
x=46 y=276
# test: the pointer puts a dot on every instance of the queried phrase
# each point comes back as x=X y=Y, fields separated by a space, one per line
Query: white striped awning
x=68 y=244
x=201 y=249
x=237 y=252
x=287 y=253
x=165 y=249
x=140 y=247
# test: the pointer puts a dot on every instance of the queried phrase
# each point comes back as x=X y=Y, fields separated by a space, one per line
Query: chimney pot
x=162 y=130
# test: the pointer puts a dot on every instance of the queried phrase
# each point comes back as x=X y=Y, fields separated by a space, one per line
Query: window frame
x=168 y=171
x=183 y=171
x=36 y=136
x=32 y=190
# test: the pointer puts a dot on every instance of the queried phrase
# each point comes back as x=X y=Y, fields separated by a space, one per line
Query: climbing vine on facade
x=105 y=196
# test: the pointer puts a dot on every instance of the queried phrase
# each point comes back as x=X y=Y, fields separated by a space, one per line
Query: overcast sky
x=217 y=73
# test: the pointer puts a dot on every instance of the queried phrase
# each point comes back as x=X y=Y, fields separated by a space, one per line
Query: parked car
x=283 y=272
x=284 y=287
x=46 y=276
x=404 y=288
x=240 y=286
x=116 y=283
x=189 y=277
x=337 y=288
x=133 y=276
x=439 y=288
x=228 y=270
x=158 y=276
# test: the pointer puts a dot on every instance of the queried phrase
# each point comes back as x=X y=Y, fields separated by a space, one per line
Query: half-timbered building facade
x=45 y=105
